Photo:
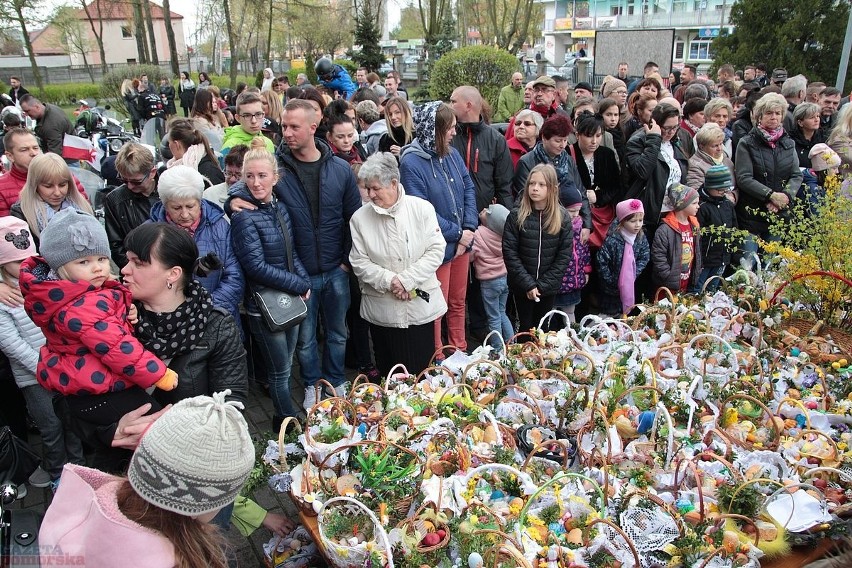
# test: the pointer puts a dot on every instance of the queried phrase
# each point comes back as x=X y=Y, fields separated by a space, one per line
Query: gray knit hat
x=496 y=218
x=195 y=458
x=70 y=235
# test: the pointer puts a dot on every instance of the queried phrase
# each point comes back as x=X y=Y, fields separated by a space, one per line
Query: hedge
x=486 y=68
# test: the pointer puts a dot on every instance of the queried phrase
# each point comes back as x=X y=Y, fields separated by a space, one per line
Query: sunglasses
x=135 y=182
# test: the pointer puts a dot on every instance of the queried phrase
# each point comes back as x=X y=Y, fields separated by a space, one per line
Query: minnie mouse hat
x=16 y=241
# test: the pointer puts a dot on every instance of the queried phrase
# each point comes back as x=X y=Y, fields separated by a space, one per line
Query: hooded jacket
x=235 y=135
x=534 y=258
x=762 y=170
x=651 y=174
x=405 y=241
x=372 y=135
x=341 y=82
x=442 y=181
x=716 y=212
x=611 y=255
x=488 y=161
x=325 y=245
x=90 y=345
x=213 y=234
x=260 y=246
x=667 y=251
x=487 y=254
x=84 y=521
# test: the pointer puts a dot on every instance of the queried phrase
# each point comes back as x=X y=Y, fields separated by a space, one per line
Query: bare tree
x=20 y=12
x=72 y=35
x=170 y=37
x=98 y=31
x=139 y=32
x=433 y=15
x=149 y=22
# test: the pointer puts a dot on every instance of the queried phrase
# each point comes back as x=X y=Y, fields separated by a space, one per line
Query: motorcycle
x=105 y=132
x=18 y=532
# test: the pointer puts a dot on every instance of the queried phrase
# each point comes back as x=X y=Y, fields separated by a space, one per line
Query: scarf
x=351 y=157
x=689 y=126
x=561 y=162
x=49 y=213
x=627 y=275
x=397 y=134
x=542 y=110
x=172 y=333
x=193 y=155
x=771 y=136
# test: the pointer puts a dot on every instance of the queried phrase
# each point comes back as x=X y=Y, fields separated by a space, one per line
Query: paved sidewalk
x=258 y=414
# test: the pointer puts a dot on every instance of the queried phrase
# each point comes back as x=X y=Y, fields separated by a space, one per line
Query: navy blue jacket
x=325 y=246
x=225 y=285
x=259 y=244
x=446 y=184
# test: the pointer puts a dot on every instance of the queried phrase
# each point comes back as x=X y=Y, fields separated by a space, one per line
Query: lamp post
x=844 y=53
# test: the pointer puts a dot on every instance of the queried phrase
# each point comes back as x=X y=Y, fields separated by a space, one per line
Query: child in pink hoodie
x=487 y=258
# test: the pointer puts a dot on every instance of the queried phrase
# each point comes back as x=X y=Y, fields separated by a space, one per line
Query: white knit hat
x=195 y=458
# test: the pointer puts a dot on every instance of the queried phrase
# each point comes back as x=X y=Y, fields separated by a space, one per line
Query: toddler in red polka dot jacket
x=91 y=355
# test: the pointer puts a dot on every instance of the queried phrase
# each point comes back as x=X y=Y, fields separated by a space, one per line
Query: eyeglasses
x=235 y=174
x=255 y=116
x=669 y=128
x=620 y=91
x=526 y=123
x=135 y=182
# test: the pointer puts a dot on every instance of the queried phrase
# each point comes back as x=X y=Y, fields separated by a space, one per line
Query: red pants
x=453 y=278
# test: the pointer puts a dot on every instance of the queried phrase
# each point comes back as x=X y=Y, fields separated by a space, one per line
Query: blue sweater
x=214 y=235
x=446 y=184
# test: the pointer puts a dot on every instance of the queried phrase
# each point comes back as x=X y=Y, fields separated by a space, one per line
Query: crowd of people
x=402 y=227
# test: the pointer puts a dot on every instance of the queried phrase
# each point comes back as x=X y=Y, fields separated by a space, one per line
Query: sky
x=187 y=9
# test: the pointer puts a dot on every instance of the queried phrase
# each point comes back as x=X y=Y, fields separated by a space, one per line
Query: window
x=125 y=31
x=631 y=7
x=679 y=48
x=700 y=49
x=131 y=61
x=680 y=5
x=616 y=10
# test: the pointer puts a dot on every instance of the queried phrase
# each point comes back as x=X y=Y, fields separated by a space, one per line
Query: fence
x=64 y=74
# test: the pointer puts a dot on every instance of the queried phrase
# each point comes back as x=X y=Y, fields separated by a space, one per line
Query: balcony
x=682 y=20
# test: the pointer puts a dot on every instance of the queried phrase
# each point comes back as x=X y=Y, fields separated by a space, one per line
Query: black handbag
x=281 y=310
x=17 y=459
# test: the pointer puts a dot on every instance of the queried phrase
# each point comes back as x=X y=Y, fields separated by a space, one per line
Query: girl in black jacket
x=537 y=246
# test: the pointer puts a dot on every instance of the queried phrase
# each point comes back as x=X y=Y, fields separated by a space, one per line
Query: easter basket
x=351 y=534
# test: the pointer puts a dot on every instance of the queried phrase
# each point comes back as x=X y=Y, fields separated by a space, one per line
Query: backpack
x=151 y=105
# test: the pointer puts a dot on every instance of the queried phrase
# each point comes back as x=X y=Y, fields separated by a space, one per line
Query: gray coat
x=666 y=252
x=20 y=340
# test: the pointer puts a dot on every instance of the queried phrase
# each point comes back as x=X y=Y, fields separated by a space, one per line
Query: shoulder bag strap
x=287 y=244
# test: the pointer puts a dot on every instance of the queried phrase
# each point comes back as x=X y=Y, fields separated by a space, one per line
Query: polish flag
x=76 y=148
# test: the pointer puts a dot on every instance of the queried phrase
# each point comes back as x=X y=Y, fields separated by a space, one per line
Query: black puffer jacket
x=762 y=170
x=533 y=257
x=486 y=155
x=607 y=186
x=216 y=362
x=803 y=146
x=123 y=212
x=742 y=125
x=716 y=212
x=651 y=175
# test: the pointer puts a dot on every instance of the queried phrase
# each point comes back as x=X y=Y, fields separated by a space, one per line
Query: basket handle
x=499 y=336
x=547 y=317
x=393 y=371
x=834 y=275
x=621 y=533
x=377 y=526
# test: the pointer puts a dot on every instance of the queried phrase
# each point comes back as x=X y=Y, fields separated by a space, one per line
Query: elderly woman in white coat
x=397 y=247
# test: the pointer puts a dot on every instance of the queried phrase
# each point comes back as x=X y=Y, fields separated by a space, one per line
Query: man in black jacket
x=17 y=91
x=486 y=155
x=129 y=205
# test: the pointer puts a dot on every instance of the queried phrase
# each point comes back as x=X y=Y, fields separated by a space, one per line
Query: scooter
x=18 y=532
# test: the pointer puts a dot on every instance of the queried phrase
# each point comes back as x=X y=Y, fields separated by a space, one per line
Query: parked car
x=385 y=68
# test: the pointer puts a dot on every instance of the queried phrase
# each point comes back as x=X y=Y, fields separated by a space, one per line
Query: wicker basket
x=347 y=556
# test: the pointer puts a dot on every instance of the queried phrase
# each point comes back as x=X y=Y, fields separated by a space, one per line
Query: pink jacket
x=84 y=523
x=487 y=254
